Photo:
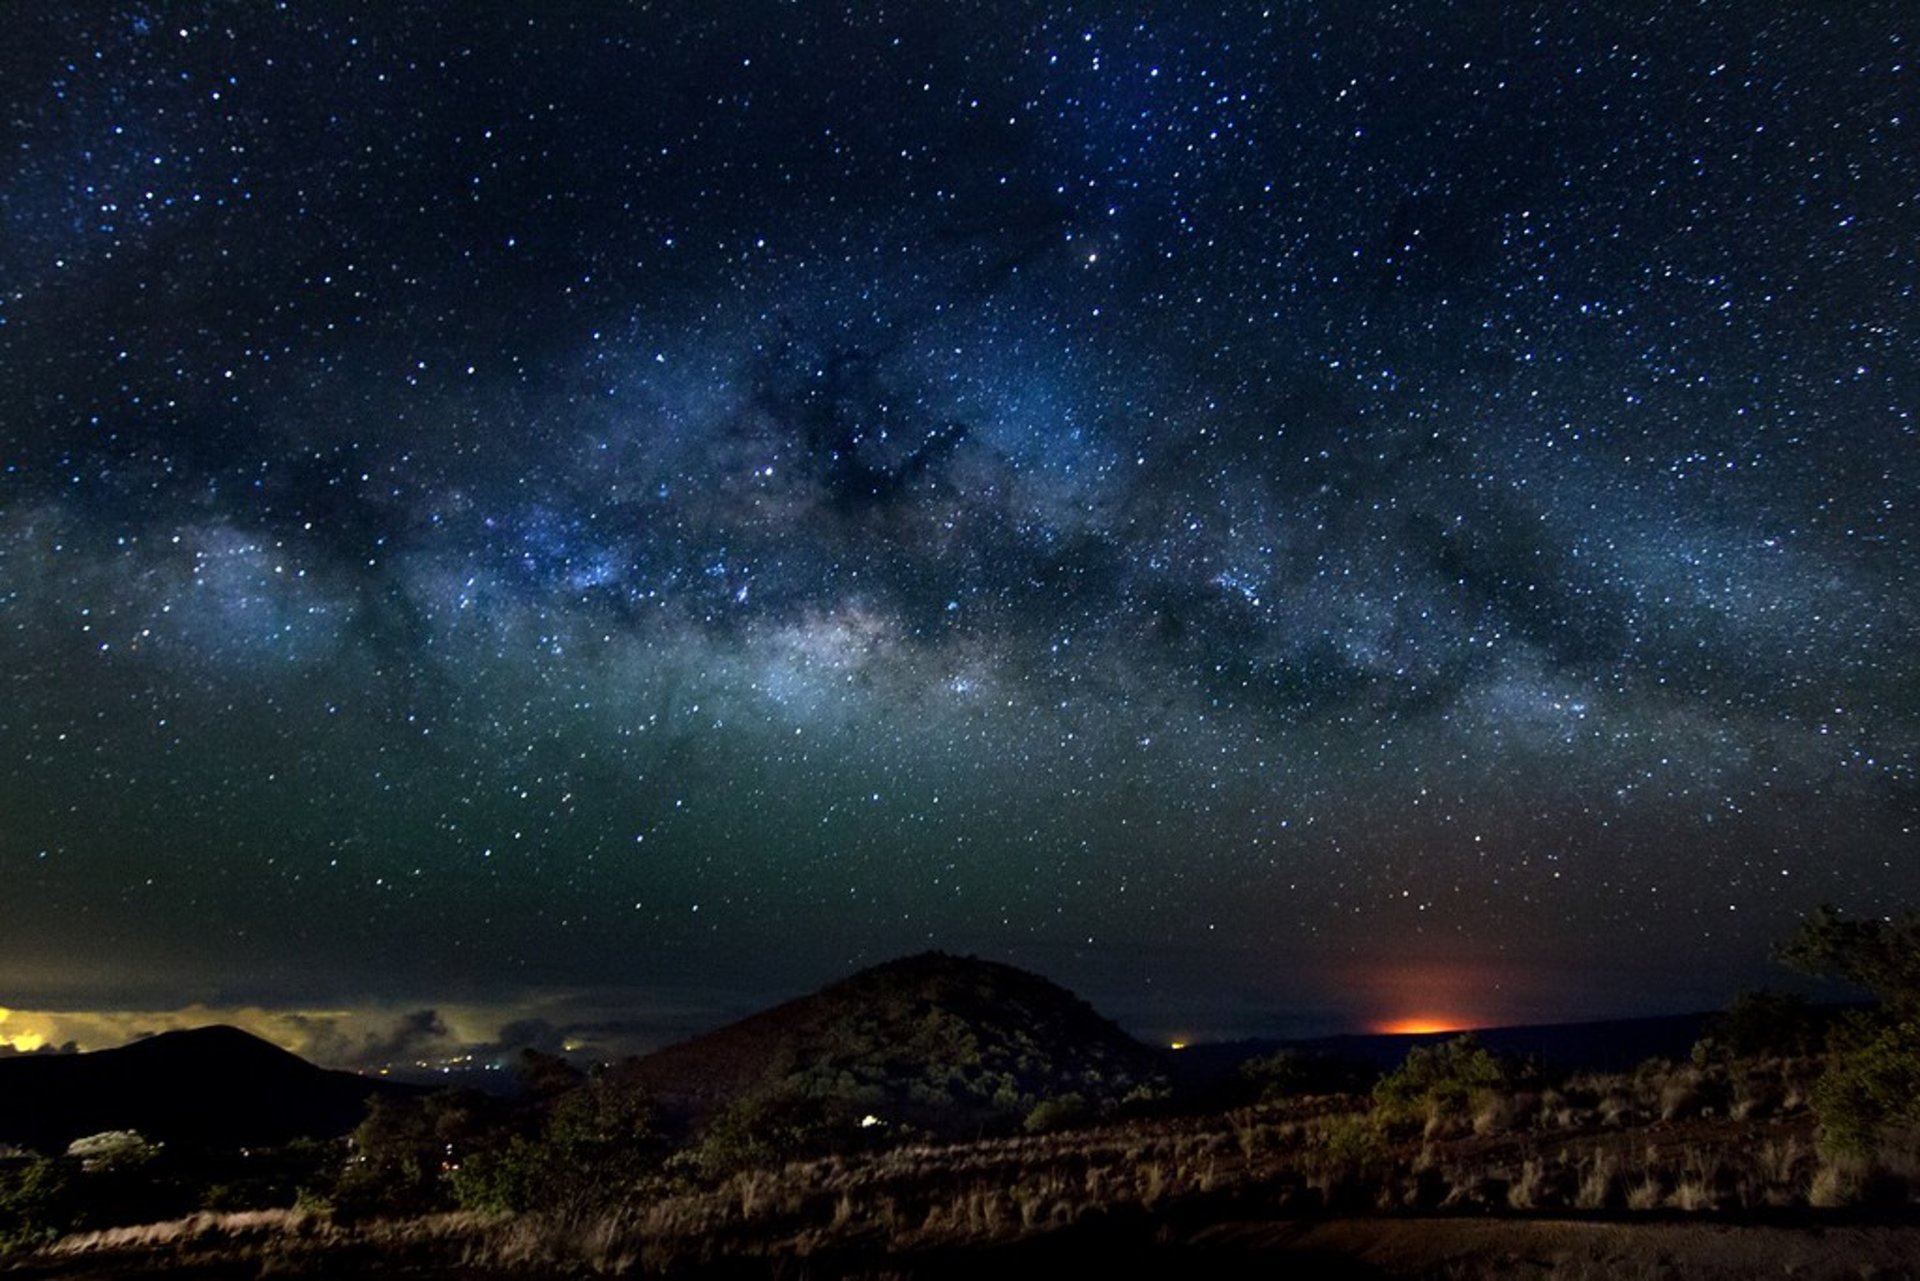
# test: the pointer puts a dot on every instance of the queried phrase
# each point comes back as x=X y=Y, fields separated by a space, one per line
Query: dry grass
x=1660 y=1139
x=206 y=1229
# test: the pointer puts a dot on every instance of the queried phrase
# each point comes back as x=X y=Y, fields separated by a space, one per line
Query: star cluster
x=1260 y=514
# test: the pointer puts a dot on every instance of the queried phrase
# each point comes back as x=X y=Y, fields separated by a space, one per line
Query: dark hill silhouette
x=214 y=1086
x=938 y=1043
x=1614 y=1045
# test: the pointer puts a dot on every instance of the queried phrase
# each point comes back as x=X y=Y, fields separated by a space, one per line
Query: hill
x=1613 y=1045
x=211 y=1086
x=932 y=1044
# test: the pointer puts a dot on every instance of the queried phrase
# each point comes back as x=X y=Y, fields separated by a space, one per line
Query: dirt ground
x=1574 y=1250
x=1359 y=1249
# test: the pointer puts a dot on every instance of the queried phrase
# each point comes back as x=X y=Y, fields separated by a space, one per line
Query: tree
x=546 y=1076
x=1882 y=956
x=1290 y=1073
x=405 y=1150
x=1870 y=1092
x=597 y=1143
x=1280 y=1075
x=1759 y=1023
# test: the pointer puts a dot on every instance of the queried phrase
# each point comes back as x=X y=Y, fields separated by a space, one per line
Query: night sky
x=602 y=516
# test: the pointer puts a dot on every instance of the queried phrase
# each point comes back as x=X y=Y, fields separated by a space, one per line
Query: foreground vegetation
x=1658 y=1142
x=1782 y=1116
x=1454 y=1131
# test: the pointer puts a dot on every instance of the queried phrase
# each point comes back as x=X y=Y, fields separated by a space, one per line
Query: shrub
x=780 y=1122
x=1837 y=1183
x=1872 y=1084
x=405 y=1150
x=1761 y=1023
x=112 y=1150
x=597 y=1143
x=1438 y=1084
x=36 y=1204
x=1355 y=1140
x=1061 y=1112
x=1530 y=1189
x=1280 y=1075
x=1600 y=1185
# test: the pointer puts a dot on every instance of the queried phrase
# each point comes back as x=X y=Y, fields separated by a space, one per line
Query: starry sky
x=594 y=517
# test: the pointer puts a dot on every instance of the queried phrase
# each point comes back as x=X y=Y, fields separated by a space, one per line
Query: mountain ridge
x=213 y=1085
x=938 y=1042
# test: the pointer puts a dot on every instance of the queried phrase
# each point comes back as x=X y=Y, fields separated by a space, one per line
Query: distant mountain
x=1614 y=1045
x=935 y=1043
x=212 y=1085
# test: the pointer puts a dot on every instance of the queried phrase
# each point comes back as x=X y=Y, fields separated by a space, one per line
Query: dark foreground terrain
x=1286 y=1189
x=1413 y=1246
x=939 y=1117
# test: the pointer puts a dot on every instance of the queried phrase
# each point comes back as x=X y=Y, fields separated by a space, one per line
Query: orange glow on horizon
x=1420 y=1026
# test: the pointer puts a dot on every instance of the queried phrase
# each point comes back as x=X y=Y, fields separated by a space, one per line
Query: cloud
x=594 y=1025
x=412 y=1038
x=23 y=1039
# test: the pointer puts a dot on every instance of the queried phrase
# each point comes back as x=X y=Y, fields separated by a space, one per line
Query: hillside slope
x=214 y=1086
x=941 y=1044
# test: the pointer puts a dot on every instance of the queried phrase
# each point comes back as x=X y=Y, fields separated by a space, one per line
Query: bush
x=1761 y=1023
x=1062 y=1112
x=1280 y=1075
x=774 y=1124
x=1439 y=1084
x=1872 y=1084
x=597 y=1144
x=36 y=1205
x=406 y=1150
x=1355 y=1140
x=112 y=1150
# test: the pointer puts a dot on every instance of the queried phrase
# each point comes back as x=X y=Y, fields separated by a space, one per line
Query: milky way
x=1273 y=518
